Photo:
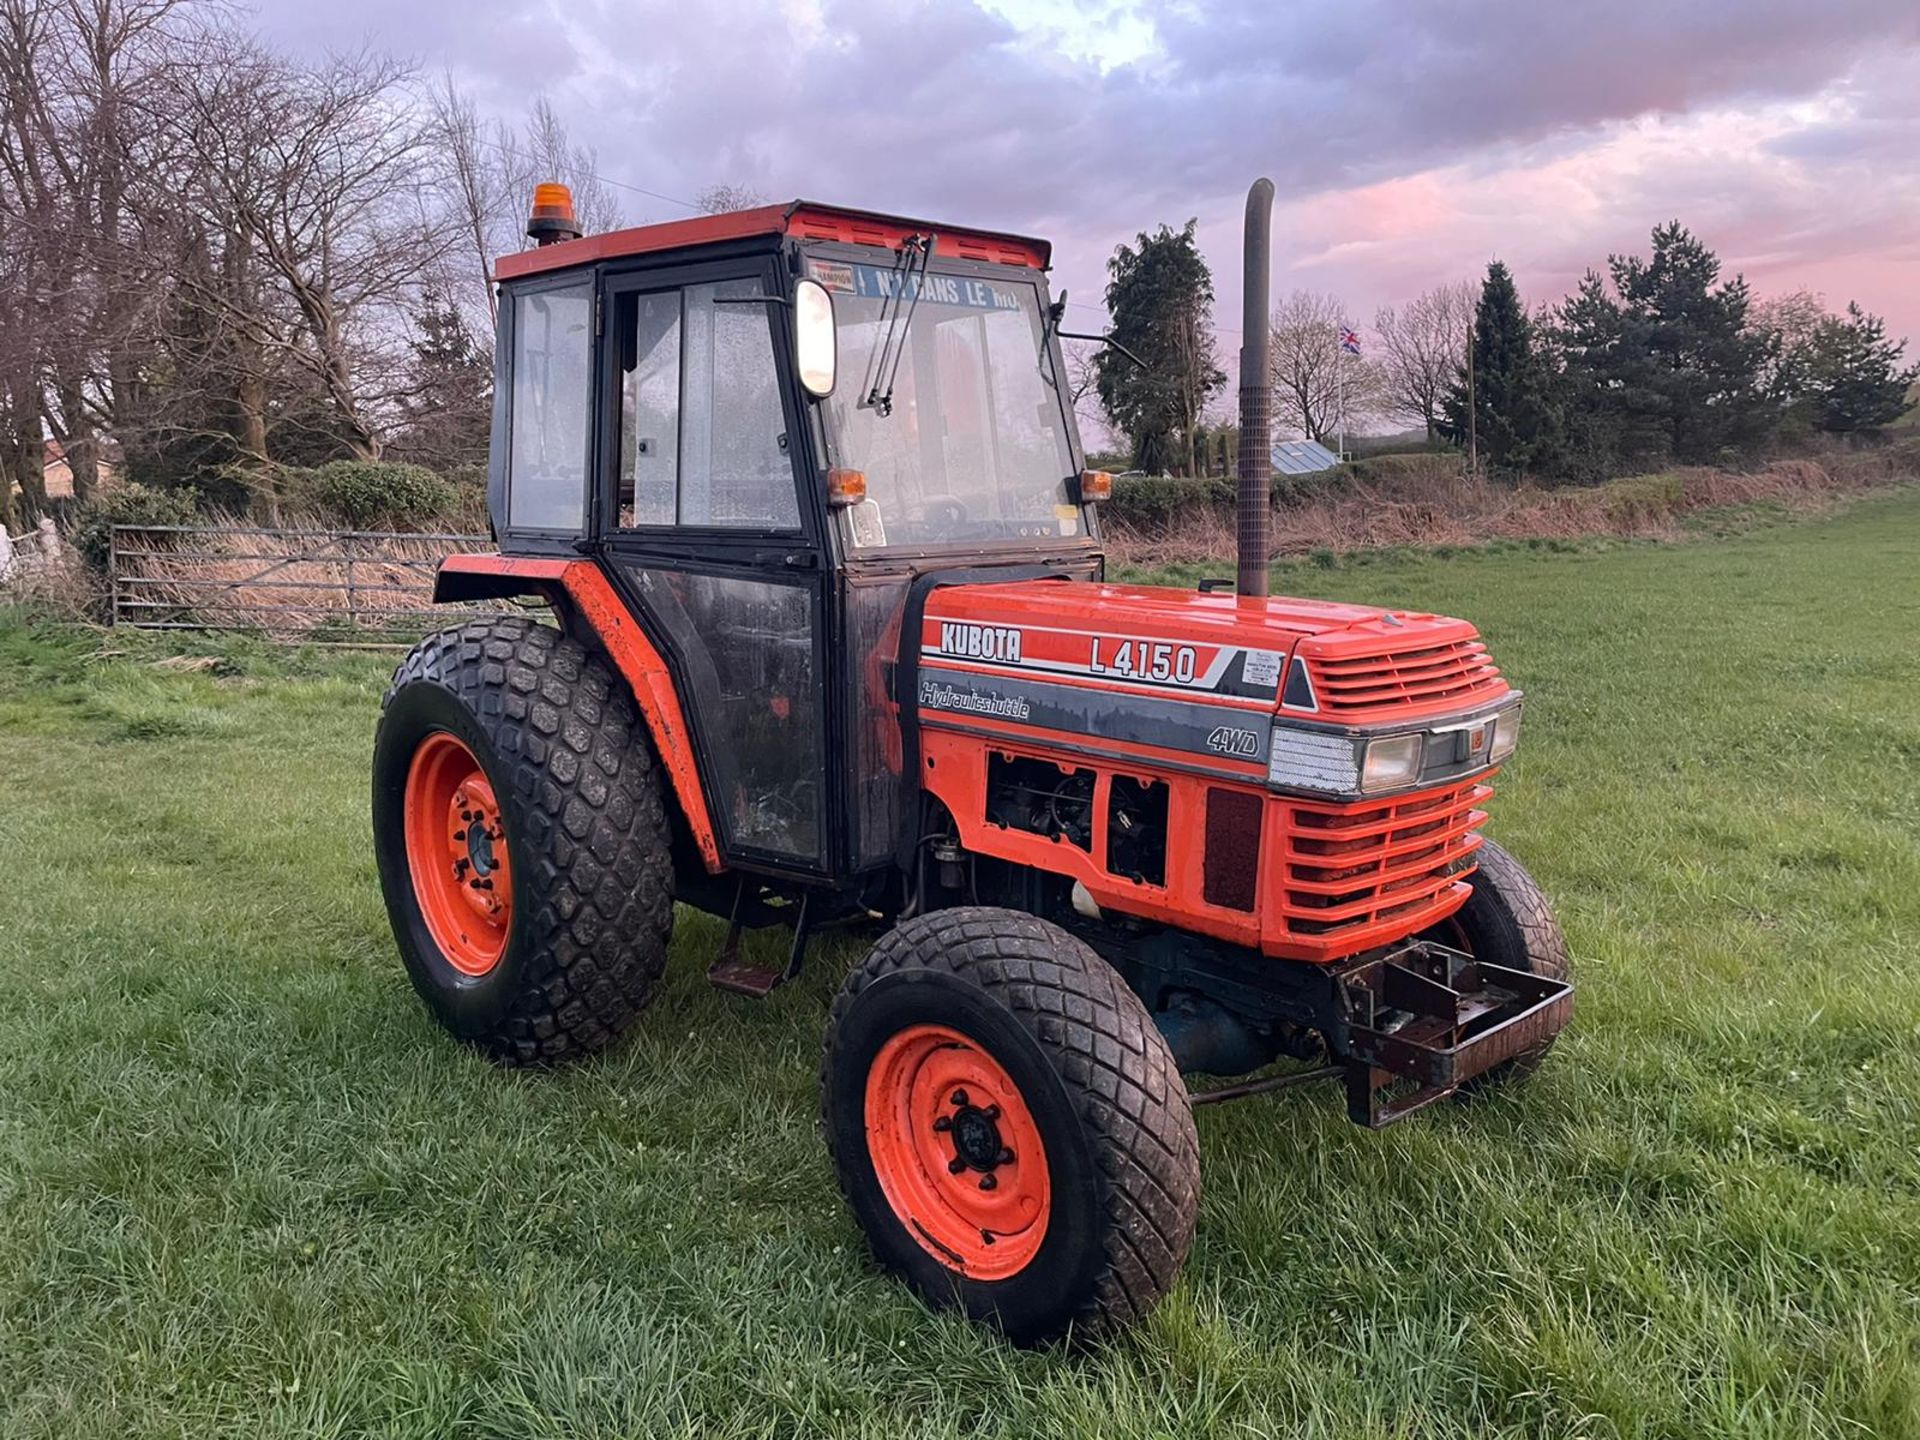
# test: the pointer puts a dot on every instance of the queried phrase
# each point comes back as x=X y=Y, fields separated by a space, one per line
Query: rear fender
x=592 y=599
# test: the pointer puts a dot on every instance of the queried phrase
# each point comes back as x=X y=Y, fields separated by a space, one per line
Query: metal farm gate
x=338 y=586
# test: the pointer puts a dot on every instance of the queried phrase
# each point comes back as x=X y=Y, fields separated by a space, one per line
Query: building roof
x=1302 y=457
x=800 y=219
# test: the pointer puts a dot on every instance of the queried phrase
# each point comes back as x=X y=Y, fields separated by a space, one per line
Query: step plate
x=743 y=977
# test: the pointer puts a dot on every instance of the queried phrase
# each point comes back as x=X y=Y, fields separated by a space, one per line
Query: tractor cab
x=767 y=424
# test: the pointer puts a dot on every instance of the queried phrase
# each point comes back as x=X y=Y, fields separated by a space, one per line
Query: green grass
x=247 y=1188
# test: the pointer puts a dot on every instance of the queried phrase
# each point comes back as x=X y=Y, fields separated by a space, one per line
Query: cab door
x=706 y=525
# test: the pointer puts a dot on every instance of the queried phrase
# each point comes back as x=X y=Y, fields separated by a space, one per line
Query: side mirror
x=816 y=344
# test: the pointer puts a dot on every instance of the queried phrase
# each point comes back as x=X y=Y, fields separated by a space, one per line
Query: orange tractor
x=827 y=641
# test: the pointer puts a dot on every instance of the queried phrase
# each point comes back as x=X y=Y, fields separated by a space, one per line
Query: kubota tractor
x=826 y=640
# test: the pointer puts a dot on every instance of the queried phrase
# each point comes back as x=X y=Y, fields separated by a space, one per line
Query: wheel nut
x=1005 y=1157
x=956 y=1165
x=987 y=1182
x=959 y=1097
x=943 y=1123
x=992 y=1112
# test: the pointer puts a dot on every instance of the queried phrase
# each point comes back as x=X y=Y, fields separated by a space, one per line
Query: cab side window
x=552 y=392
x=702 y=430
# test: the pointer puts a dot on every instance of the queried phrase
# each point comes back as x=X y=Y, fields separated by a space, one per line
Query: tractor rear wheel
x=1008 y=1125
x=522 y=840
x=1507 y=922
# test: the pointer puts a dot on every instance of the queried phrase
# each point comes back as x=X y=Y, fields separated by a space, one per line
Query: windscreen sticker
x=1142 y=661
x=878 y=282
x=832 y=276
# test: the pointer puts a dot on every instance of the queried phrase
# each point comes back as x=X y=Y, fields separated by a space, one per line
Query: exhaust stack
x=1256 y=398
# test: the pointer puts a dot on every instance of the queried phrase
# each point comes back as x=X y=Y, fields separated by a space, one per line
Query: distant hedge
x=1151 y=503
x=129 y=504
x=374 y=495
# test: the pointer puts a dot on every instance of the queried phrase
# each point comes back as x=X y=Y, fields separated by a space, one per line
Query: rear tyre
x=522 y=840
x=1008 y=1125
x=1507 y=922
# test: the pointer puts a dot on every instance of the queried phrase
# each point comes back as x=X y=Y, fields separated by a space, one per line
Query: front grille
x=1352 y=866
x=1230 y=867
x=1453 y=673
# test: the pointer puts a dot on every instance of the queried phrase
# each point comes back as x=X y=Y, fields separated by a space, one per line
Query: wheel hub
x=976 y=1138
x=480 y=848
x=457 y=851
x=957 y=1152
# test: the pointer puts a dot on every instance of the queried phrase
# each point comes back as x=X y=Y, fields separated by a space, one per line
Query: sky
x=1410 y=141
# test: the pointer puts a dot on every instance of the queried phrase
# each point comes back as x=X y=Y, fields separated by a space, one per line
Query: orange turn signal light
x=1095 y=485
x=846 y=487
x=552 y=218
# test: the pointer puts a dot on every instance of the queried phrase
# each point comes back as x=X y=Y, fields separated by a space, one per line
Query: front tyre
x=1008 y=1125
x=522 y=841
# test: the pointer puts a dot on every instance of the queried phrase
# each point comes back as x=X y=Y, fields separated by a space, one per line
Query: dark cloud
x=940 y=100
x=946 y=109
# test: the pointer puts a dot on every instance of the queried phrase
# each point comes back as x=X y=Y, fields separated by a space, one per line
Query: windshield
x=974 y=444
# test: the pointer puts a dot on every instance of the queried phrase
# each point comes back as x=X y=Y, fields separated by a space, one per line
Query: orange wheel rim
x=457 y=854
x=957 y=1152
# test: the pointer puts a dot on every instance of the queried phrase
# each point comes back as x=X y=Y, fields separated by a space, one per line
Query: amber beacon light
x=552 y=218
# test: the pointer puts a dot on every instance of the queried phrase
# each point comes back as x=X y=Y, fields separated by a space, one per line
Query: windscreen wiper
x=909 y=277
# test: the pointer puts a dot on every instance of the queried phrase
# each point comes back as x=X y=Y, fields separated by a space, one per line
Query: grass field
x=246 y=1188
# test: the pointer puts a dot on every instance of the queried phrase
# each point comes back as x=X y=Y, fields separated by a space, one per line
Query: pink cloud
x=1819 y=193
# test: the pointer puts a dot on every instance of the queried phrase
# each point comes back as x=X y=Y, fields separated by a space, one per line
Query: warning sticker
x=1262 y=667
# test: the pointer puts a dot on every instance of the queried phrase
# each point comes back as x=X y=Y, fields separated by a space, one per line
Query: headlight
x=1328 y=762
x=1506 y=735
x=1392 y=761
x=1313 y=760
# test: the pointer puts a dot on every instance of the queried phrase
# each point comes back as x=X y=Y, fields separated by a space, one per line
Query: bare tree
x=314 y=171
x=1313 y=376
x=1422 y=344
x=475 y=181
x=1790 y=320
x=722 y=199
x=487 y=175
x=1083 y=383
x=549 y=153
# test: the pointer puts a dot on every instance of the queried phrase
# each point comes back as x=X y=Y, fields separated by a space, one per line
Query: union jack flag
x=1349 y=340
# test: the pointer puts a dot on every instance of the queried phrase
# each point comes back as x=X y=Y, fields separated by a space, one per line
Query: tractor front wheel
x=1008 y=1125
x=522 y=841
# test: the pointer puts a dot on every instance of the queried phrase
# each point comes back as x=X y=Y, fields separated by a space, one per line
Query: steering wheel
x=945 y=516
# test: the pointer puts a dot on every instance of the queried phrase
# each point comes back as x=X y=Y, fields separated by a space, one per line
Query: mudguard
x=499 y=577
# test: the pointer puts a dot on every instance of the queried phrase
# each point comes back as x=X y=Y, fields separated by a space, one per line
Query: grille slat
x=1407 y=662
x=1322 y=920
x=1410 y=690
x=1458 y=670
x=1347 y=868
x=1449 y=669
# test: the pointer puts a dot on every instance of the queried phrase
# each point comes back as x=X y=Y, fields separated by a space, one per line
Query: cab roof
x=799 y=219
